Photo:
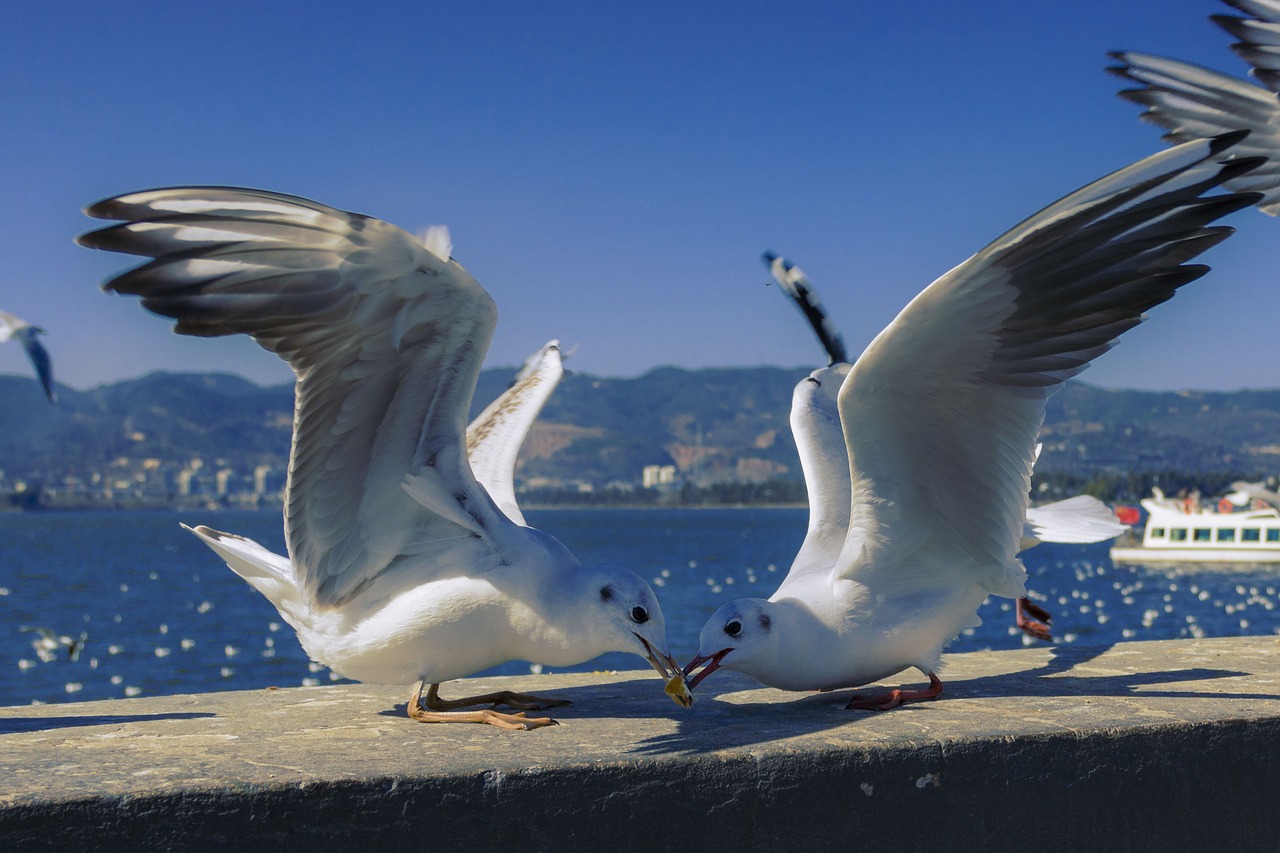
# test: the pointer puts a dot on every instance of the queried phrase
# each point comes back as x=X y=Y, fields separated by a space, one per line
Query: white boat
x=1185 y=532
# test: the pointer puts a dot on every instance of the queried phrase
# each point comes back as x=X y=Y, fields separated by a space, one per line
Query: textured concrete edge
x=1176 y=785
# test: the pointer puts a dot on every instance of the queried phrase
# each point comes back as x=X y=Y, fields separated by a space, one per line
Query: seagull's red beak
x=712 y=664
x=662 y=662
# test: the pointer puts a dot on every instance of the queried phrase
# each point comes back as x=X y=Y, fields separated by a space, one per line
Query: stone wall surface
x=1153 y=745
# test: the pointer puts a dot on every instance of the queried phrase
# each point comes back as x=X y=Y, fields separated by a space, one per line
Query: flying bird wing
x=942 y=410
x=795 y=284
x=12 y=326
x=386 y=339
x=495 y=437
x=40 y=360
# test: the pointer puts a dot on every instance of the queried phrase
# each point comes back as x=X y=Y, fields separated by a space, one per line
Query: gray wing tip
x=1233 y=24
x=117 y=206
x=92 y=239
x=125 y=206
x=1222 y=142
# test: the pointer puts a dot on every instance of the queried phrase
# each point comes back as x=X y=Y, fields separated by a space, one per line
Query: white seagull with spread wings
x=402 y=568
x=940 y=414
x=1193 y=102
x=824 y=460
x=16 y=327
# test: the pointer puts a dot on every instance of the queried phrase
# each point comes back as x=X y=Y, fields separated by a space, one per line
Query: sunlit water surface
x=162 y=614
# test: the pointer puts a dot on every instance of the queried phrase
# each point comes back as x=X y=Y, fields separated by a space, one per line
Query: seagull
x=815 y=423
x=16 y=327
x=401 y=567
x=939 y=416
x=1190 y=101
x=1243 y=492
x=48 y=641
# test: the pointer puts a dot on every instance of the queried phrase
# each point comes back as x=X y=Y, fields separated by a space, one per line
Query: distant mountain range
x=714 y=426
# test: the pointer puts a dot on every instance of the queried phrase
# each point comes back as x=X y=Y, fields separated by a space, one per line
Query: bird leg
x=519 y=701
x=896 y=697
x=1037 y=624
x=439 y=710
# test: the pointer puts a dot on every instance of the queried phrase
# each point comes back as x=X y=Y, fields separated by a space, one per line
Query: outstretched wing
x=386 y=339
x=1191 y=102
x=942 y=409
x=793 y=282
x=12 y=326
x=815 y=423
x=1259 y=36
x=495 y=437
x=40 y=360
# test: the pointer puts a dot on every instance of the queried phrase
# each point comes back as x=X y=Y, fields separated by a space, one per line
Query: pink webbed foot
x=896 y=697
x=1033 y=619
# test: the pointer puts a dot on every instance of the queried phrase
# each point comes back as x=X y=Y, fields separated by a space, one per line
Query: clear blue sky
x=610 y=172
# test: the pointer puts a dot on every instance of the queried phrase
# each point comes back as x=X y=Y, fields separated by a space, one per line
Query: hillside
x=715 y=426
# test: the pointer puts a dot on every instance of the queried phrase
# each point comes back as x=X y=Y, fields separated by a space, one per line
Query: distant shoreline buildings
x=150 y=483
x=125 y=483
x=671 y=437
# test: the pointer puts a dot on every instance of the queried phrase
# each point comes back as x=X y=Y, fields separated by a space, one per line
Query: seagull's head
x=632 y=621
x=739 y=636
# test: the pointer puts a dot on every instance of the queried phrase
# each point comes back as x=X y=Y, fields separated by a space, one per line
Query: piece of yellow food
x=678 y=689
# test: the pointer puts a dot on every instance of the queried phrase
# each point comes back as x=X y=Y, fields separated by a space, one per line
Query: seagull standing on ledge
x=940 y=415
x=824 y=460
x=16 y=327
x=401 y=567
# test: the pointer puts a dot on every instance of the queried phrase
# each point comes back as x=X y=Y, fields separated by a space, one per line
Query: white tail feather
x=1077 y=520
x=267 y=572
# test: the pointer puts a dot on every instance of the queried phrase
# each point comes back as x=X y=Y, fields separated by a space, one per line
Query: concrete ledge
x=1139 y=746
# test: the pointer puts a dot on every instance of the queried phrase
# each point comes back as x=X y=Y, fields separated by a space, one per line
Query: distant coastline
x=716 y=437
x=8 y=505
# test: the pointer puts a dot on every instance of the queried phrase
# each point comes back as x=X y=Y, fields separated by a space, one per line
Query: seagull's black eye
x=639 y=615
x=734 y=628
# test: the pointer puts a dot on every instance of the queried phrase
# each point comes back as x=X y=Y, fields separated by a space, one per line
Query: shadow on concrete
x=716 y=724
x=625 y=698
x=14 y=725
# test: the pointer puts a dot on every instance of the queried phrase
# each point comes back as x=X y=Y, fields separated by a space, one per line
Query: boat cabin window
x=1273 y=534
x=1203 y=534
x=1178 y=534
x=1226 y=534
x=1157 y=533
x=1250 y=534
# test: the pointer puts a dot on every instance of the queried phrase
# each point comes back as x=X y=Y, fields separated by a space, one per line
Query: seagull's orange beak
x=712 y=664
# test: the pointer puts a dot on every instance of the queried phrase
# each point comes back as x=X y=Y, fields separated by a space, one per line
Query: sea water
x=161 y=614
